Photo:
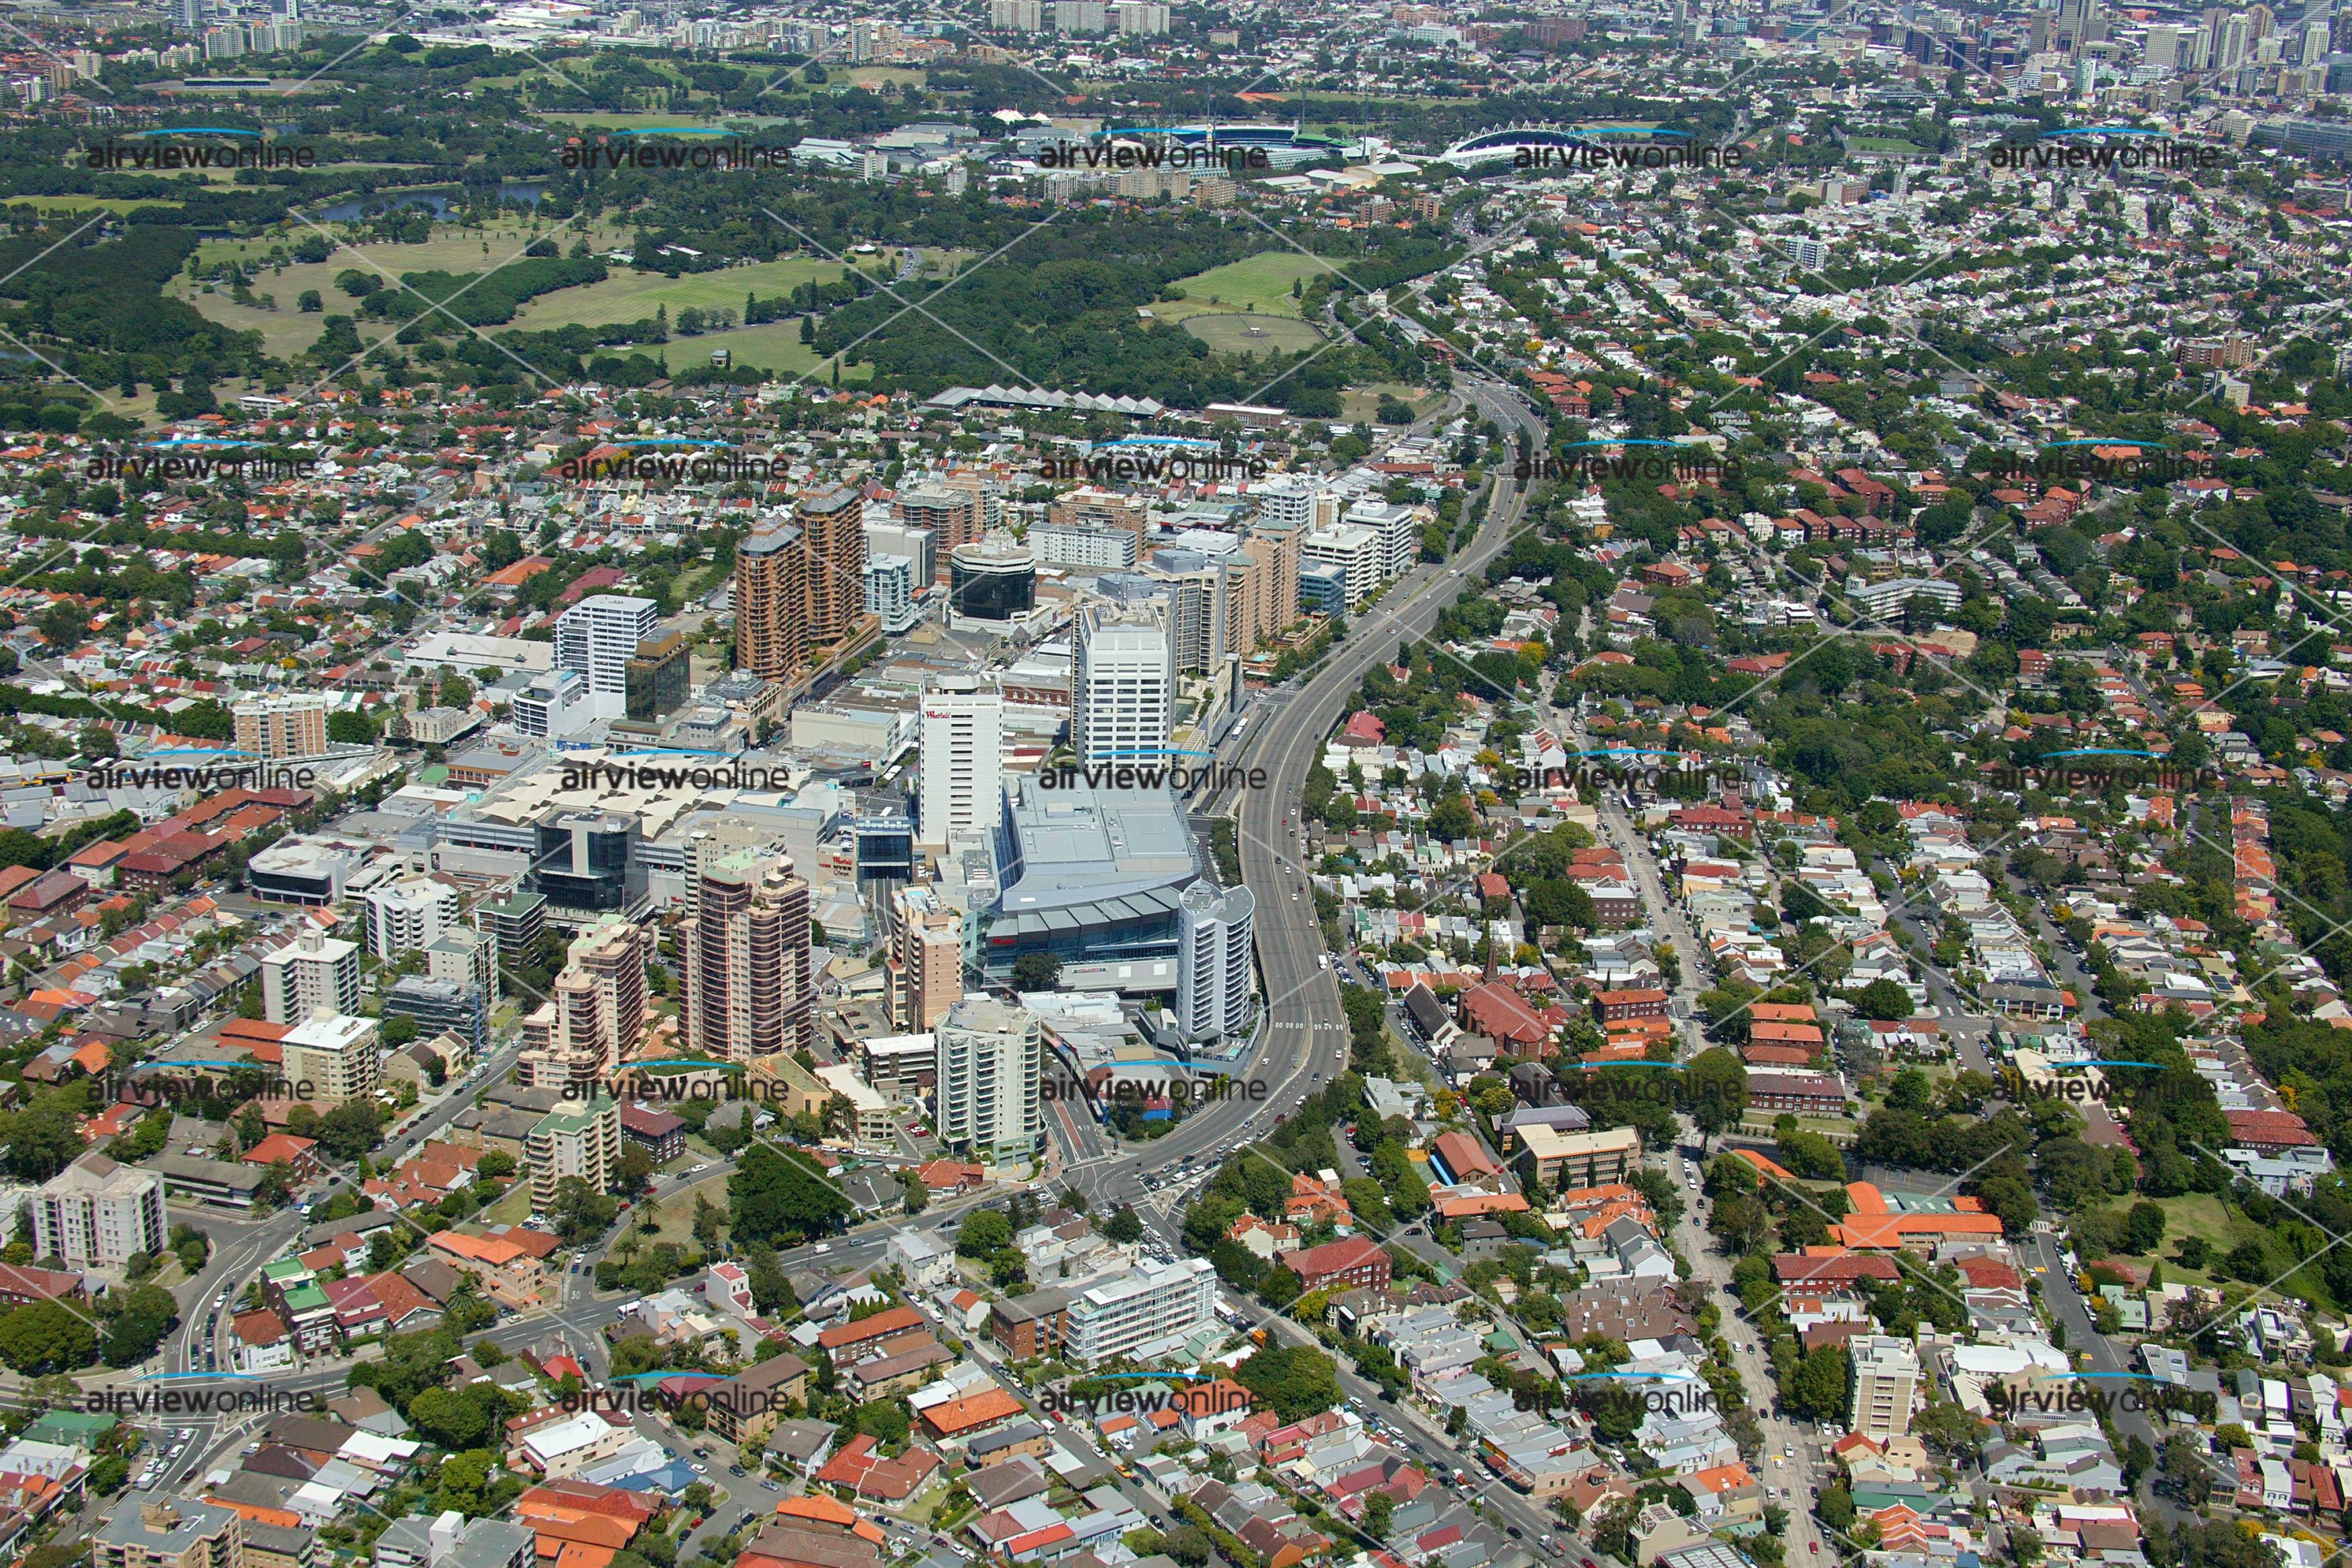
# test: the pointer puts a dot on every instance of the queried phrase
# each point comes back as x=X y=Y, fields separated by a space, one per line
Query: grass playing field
x=1253 y=335
x=1256 y=285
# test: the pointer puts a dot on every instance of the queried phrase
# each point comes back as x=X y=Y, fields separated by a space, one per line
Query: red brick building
x=1615 y=1007
x=1352 y=1262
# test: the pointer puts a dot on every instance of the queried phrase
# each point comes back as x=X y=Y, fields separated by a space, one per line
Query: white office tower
x=1122 y=685
x=992 y=1063
x=1354 y=551
x=962 y=762
x=890 y=592
x=2163 y=48
x=1017 y=16
x=314 y=972
x=1397 y=528
x=1213 y=960
x=1287 y=504
x=597 y=637
x=1140 y=18
x=411 y=913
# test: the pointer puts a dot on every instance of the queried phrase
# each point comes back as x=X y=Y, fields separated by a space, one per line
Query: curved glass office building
x=995 y=580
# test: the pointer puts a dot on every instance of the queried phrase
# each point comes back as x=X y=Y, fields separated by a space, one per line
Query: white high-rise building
x=1122 y=685
x=413 y=912
x=2163 y=47
x=1885 y=1381
x=315 y=971
x=991 y=1066
x=1213 y=959
x=598 y=637
x=1398 y=530
x=96 y=1213
x=890 y=592
x=962 y=762
x=1356 y=550
x=1287 y=504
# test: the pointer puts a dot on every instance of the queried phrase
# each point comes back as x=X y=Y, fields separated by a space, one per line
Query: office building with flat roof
x=411 y=912
x=1213 y=959
x=598 y=637
x=441 y=1006
x=658 y=677
x=1122 y=684
x=833 y=527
